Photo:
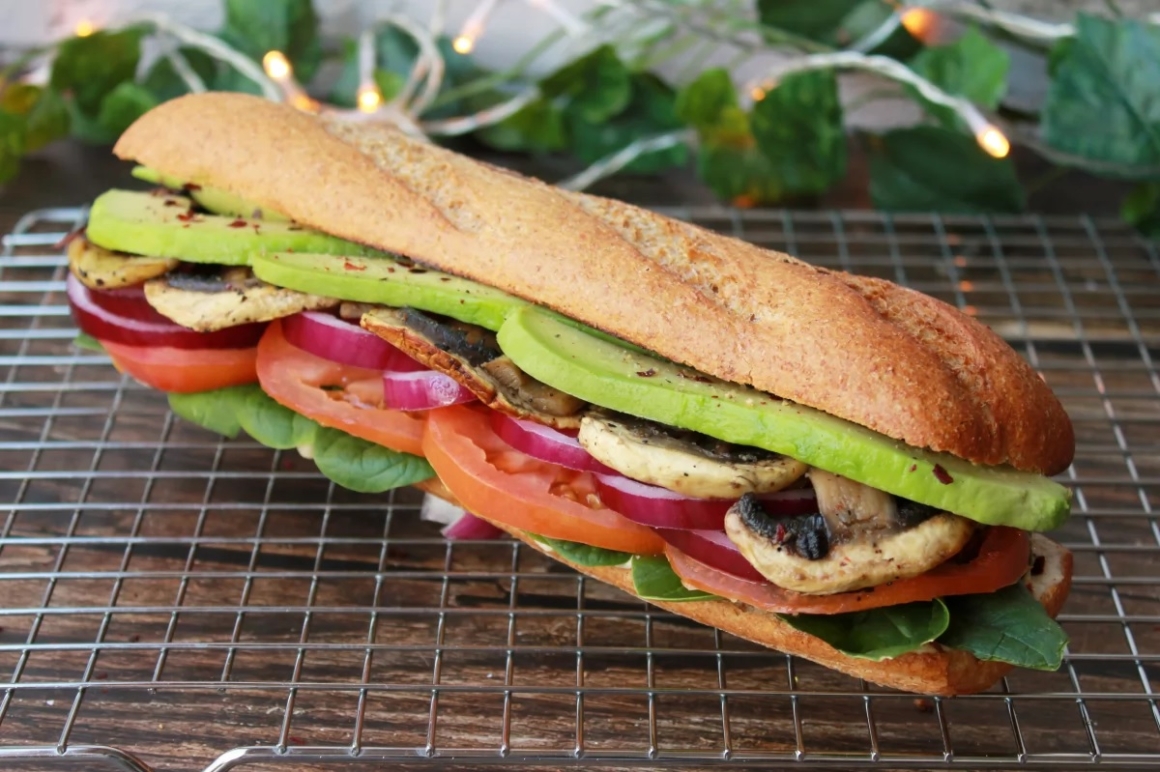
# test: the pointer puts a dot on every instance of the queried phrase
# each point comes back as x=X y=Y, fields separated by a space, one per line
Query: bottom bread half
x=932 y=670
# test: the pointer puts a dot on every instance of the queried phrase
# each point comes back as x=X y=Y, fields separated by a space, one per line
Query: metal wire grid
x=170 y=600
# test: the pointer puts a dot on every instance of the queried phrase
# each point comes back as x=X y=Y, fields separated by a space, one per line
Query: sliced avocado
x=618 y=378
x=215 y=200
x=163 y=226
x=387 y=281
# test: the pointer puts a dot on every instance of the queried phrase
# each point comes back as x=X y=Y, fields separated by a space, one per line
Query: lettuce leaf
x=363 y=466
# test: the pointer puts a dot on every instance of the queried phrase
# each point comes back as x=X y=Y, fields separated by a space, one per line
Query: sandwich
x=830 y=465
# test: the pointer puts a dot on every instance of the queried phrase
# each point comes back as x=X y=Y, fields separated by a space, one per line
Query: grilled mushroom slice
x=209 y=298
x=100 y=268
x=471 y=356
x=861 y=537
x=683 y=461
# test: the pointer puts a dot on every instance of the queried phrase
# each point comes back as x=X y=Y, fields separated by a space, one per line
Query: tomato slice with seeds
x=496 y=481
x=184 y=370
x=333 y=394
x=1000 y=561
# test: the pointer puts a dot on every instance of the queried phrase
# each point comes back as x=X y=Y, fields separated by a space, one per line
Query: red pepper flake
x=779 y=534
x=348 y=265
x=192 y=186
x=942 y=476
x=913 y=467
x=174 y=202
x=238 y=223
x=649 y=373
x=256 y=227
x=186 y=216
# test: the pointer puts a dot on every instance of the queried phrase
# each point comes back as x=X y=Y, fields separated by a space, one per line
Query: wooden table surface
x=180 y=596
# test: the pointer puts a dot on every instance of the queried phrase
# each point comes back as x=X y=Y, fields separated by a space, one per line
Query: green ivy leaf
x=654 y=579
x=290 y=26
x=164 y=82
x=123 y=105
x=702 y=102
x=538 y=127
x=1104 y=101
x=926 y=168
x=47 y=121
x=91 y=67
x=798 y=126
x=651 y=111
x=583 y=554
x=1141 y=209
x=879 y=633
x=838 y=23
x=12 y=146
x=596 y=87
x=1006 y=626
x=742 y=176
x=972 y=67
x=364 y=466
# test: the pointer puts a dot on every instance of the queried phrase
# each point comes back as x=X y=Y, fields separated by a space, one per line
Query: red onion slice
x=712 y=548
x=327 y=336
x=135 y=323
x=422 y=390
x=660 y=507
x=470 y=527
x=545 y=443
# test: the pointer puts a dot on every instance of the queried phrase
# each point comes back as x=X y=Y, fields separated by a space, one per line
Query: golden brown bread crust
x=934 y=670
x=889 y=358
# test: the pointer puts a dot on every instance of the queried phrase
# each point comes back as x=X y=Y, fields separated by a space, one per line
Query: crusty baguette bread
x=932 y=670
x=863 y=349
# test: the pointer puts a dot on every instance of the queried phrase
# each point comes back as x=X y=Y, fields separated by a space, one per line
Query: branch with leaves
x=774 y=140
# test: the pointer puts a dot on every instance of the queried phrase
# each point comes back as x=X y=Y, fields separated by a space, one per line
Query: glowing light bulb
x=758 y=93
x=919 y=22
x=84 y=28
x=369 y=99
x=277 y=66
x=463 y=45
x=993 y=141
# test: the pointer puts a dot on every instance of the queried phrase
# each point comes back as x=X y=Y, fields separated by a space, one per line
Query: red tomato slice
x=492 y=479
x=1001 y=560
x=185 y=370
x=335 y=395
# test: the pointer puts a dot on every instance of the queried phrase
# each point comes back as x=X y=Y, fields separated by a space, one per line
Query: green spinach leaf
x=1104 y=99
x=1006 y=626
x=216 y=410
x=274 y=425
x=927 y=168
x=877 y=634
x=1141 y=209
x=364 y=466
x=87 y=342
x=654 y=579
x=798 y=126
x=582 y=554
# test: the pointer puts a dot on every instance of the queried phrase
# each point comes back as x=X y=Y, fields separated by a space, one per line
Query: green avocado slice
x=215 y=200
x=387 y=281
x=639 y=384
x=144 y=224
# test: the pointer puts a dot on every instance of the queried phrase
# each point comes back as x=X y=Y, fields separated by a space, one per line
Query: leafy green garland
x=1099 y=113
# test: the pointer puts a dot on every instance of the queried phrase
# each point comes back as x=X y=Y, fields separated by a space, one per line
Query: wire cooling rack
x=172 y=601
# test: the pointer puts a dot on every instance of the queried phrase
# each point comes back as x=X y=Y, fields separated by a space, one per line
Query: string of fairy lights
x=276 y=80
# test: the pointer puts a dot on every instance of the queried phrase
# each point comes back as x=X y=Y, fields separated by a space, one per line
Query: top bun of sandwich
x=860 y=348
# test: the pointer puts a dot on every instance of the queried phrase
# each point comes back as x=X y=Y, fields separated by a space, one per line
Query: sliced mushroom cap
x=683 y=461
x=210 y=298
x=100 y=268
x=860 y=538
x=471 y=356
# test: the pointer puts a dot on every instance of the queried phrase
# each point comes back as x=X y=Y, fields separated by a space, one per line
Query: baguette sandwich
x=830 y=465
